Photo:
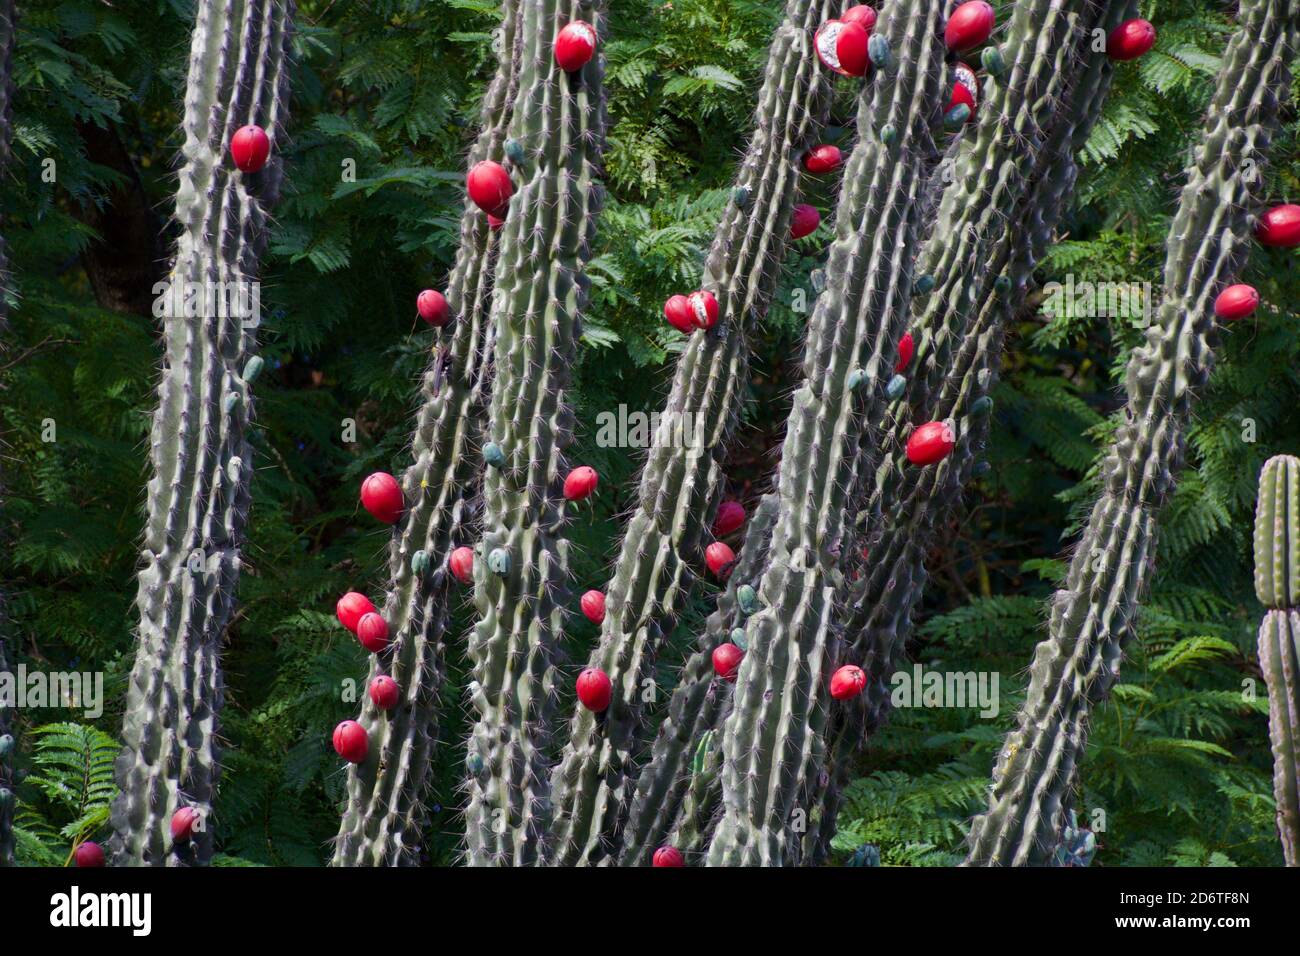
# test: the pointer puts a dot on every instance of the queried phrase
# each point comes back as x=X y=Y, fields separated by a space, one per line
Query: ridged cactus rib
x=198 y=495
x=7 y=728
x=773 y=740
x=1277 y=563
x=682 y=480
x=546 y=242
x=1092 y=617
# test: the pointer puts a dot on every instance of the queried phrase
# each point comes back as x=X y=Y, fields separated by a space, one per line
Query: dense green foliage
x=1178 y=760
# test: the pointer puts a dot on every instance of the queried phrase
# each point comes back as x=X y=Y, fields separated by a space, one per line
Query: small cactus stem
x=7 y=723
x=658 y=562
x=198 y=495
x=535 y=311
x=386 y=793
x=773 y=740
x=1075 y=666
x=1277 y=583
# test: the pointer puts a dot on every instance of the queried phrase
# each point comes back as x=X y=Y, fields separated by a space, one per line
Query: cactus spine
x=559 y=120
x=386 y=793
x=198 y=496
x=1091 y=618
x=7 y=799
x=680 y=486
x=1277 y=584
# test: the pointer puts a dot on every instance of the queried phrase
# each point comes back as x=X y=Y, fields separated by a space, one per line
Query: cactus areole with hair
x=704 y=308
x=433 y=308
x=1279 y=227
x=726 y=661
x=906 y=349
x=351 y=742
x=461 y=563
x=668 y=856
x=381 y=495
x=184 y=822
x=731 y=516
x=574 y=46
x=805 y=221
x=930 y=443
x=490 y=187
x=580 y=483
x=594 y=689
x=250 y=148
x=351 y=608
x=1236 y=302
x=823 y=159
x=970 y=25
x=89 y=854
x=384 y=692
x=372 y=632
x=1130 y=40
x=848 y=682
x=719 y=557
x=842 y=47
x=593 y=606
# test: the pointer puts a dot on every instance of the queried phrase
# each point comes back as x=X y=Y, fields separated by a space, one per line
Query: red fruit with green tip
x=384 y=692
x=461 y=563
x=849 y=681
x=1130 y=40
x=250 y=148
x=90 y=854
x=594 y=689
x=822 y=159
x=731 y=515
x=433 y=308
x=863 y=15
x=930 y=442
x=574 y=46
x=1280 y=227
x=372 y=632
x=580 y=483
x=351 y=742
x=184 y=822
x=805 y=221
x=593 y=605
x=668 y=856
x=351 y=608
x=1236 y=302
x=489 y=187
x=842 y=47
x=719 y=557
x=678 y=312
x=704 y=308
x=381 y=495
x=970 y=25
x=906 y=349
x=726 y=661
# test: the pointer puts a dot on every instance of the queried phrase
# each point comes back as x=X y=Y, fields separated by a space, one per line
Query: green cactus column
x=773 y=740
x=662 y=549
x=201 y=462
x=1277 y=584
x=382 y=821
x=7 y=788
x=521 y=570
x=1092 y=616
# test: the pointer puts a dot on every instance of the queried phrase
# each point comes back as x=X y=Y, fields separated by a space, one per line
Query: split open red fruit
x=726 y=661
x=594 y=689
x=372 y=632
x=351 y=742
x=965 y=88
x=381 y=495
x=719 y=557
x=489 y=187
x=1130 y=40
x=678 y=312
x=862 y=15
x=351 y=608
x=1280 y=227
x=970 y=25
x=731 y=515
x=90 y=854
x=1236 y=302
x=574 y=45
x=805 y=221
x=668 y=856
x=593 y=606
x=250 y=148
x=433 y=308
x=842 y=47
x=849 y=681
x=822 y=159
x=704 y=308
x=906 y=349
x=184 y=822
x=930 y=442
x=461 y=563
x=384 y=692
x=580 y=482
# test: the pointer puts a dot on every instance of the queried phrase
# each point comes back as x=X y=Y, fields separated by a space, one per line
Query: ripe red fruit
x=1130 y=40
x=90 y=854
x=593 y=605
x=965 y=88
x=678 y=312
x=842 y=47
x=862 y=15
x=668 y=856
x=574 y=45
x=461 y=563
x=969 y=26
x=351 y=608
x=822 y=159
x=594 y=689
x=719 y=557
x=184 y=822
x=704 y=308
x=849 y=681
x=580 y=483
x=1280 y=226
x=726 y=660
x=805 y=221
x=372 y=632
x=1236 y=302
x=906 y=349
x=381 y=495
x=249 y=148
x=490 y=187
x=351 y=742
x=433 y=308
x=384 y=692
x=930 y=443
x=731 y=515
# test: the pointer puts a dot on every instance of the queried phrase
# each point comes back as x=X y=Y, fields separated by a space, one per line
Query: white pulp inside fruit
x=966 y=77
x=701 y=310
x=827 y=40
x=585 y=31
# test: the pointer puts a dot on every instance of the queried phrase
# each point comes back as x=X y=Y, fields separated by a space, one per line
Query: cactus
x=1092 y=616
x=7 y=26
x=680 y=486
x=386 y=792
x=1277 y=584
x=198 y=495
x=559 y=119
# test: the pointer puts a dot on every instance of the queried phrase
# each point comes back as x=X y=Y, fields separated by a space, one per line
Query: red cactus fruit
x=250 y=147
x=593 y=605
x=805 y=221
x=678 y=312
x=842 y=47
x=704 y=308
x=384 y=692
x=823 y=159
x=719 y=557
x=372 y=632
x=668 y=856
x=351 y=742
x=1236 y=302
x=90 y=854
x=381 y=495
x=1130 y=40
x=965 y=88
x=726 y=661
x=351 y=608
x=490 y=187
x=1280 y=226
x=969 y=26
x=731 y=515
x=461 y=563
x=849 y=681
x=574 y=45
x=184 y=822
x=594 y=689
x=906 y=349
x=495 y=222
x=862 y=15
x=433 y=308
x=580 y=482
x=930 y=442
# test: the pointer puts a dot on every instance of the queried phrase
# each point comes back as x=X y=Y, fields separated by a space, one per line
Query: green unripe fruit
x=882 y=58
x=923 y=285
x=514 y=151
x=747 y=598
x=994 y=65
x=738 y=638
x=494 y=454
x=419 y=562
x=896 y=387
x=956 y=117
x=474 y=763
x=981 y=406
x=253 y=368
x=498 y=562
x=741 y=195
x=856 y=379
x=888 y=134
